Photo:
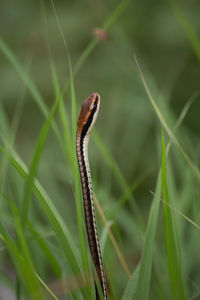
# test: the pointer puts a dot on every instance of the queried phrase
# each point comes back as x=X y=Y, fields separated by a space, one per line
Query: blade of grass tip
x=30 y=85
x=187 y=27
x=130 y=289
x=165 y=125
x=79 y=206
x=56 y=221
x=143 y=284
x=173 y=255
x=35 y=162
x=112 y=18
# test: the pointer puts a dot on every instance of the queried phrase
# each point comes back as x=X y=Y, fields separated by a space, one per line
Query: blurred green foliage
x=165 y=37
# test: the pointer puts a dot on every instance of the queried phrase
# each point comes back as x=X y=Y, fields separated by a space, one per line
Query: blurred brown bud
x=100 y=34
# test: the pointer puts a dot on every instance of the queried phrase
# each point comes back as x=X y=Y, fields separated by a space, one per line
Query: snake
x=86 y=120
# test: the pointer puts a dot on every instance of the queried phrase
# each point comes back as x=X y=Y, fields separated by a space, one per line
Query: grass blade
x=130 y=289
x=142 y=290
x=171 y=243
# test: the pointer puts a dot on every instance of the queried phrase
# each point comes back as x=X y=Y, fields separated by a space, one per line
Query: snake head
x=89 y=108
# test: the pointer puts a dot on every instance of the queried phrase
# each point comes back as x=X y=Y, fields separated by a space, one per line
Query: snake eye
x=94 y=107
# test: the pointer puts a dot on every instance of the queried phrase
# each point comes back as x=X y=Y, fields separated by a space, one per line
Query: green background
x=164 y=35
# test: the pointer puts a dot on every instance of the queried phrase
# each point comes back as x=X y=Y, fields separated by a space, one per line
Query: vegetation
x=143 y=59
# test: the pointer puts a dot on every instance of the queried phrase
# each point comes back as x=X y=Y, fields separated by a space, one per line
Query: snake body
x=86 y=120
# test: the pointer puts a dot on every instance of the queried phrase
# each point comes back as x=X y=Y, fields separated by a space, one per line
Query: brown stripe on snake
x=86 y=120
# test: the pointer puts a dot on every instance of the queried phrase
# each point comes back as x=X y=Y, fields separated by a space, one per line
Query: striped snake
x=86 y=120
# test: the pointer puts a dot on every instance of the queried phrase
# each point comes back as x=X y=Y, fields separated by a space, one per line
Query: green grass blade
x=165 y=125
x=171 y=243
x=142 y=290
